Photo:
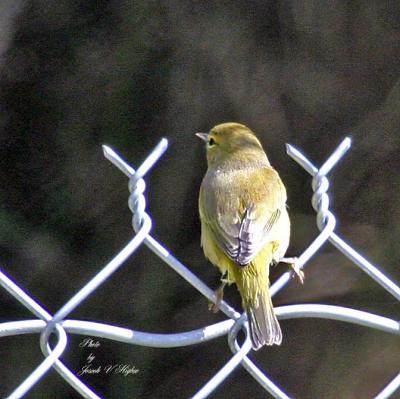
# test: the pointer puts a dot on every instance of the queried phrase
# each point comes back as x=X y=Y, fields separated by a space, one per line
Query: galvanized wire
x=46 y=324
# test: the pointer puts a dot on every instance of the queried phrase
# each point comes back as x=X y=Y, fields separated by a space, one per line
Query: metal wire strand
x=38 y=310
x=43 y=368
x=340 y=244
x=231 y=365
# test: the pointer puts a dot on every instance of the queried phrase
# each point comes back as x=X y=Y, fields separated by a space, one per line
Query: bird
x=245 y=225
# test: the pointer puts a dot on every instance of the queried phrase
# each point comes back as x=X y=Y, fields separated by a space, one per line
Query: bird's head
x=229 y=140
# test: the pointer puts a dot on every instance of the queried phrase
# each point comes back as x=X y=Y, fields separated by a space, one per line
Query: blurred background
x=77 y=74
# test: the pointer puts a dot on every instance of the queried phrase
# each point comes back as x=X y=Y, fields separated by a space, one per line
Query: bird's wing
x=243 y=214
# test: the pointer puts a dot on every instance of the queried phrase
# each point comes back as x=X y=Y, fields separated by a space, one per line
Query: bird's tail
x=253 y=283
x=264 y=326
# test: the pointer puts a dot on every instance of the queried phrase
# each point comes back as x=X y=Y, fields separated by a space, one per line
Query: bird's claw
x=293 y=263
x=213 y=306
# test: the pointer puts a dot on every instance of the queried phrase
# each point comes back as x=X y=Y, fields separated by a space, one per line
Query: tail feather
x=264 y=326
x=253 y=284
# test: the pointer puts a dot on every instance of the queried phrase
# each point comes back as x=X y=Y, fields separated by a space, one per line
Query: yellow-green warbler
x=245 y=226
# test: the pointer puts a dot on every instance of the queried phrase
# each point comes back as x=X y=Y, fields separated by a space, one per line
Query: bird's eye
x=211 y=142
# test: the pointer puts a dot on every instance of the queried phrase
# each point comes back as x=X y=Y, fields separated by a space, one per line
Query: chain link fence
x=58 y=324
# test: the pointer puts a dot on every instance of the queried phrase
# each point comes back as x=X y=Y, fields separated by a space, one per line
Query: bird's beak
x=203 y=136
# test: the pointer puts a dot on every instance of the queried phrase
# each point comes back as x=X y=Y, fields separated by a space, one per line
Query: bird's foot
x=213 y=306
x=293 y=263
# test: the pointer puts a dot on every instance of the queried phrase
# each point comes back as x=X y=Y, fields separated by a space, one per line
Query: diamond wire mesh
x=46 y=324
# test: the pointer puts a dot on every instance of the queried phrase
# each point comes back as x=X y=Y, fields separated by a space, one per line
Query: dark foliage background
x=76 y=74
